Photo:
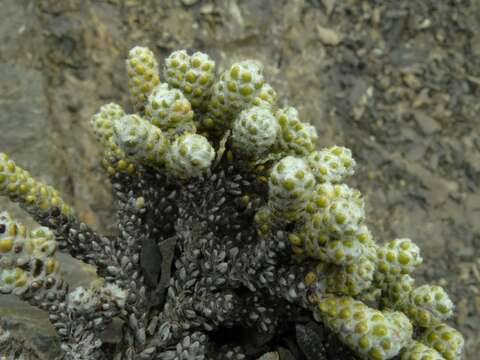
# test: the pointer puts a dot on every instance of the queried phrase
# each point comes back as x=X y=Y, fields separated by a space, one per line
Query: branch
x=29 y=271
x=44 y=204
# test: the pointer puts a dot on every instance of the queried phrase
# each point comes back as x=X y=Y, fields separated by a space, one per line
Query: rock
x=189 y=2
x=73 y=54
x=30 y=325
x=19 y=37
x=328 y=36
x=438 y=189
x=236 y=13
x=270 y=356
x=475 y=43
x=329 y=6
x=427 y=124
x=472 y=157
x=75 y=272
x=416 y=151
x=412 y=81
x=472 y=207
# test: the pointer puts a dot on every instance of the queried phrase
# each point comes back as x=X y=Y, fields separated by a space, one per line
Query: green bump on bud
x=246 y=77
x=403 y=258
x=391 y=257
x=288 y=184
x=183 y=150
x=340 y=218
x=246 y=90
x=361 y=327
x=364 y=343
x=235 y=71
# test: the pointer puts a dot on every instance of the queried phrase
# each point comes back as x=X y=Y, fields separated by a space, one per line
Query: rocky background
x=396 y=81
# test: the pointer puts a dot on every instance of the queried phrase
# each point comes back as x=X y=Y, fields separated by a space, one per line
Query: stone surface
x=30 y=324
x=401 y=89
x=24 y=123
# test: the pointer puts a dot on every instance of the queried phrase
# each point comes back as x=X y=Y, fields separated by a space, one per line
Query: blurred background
x=396 y=81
